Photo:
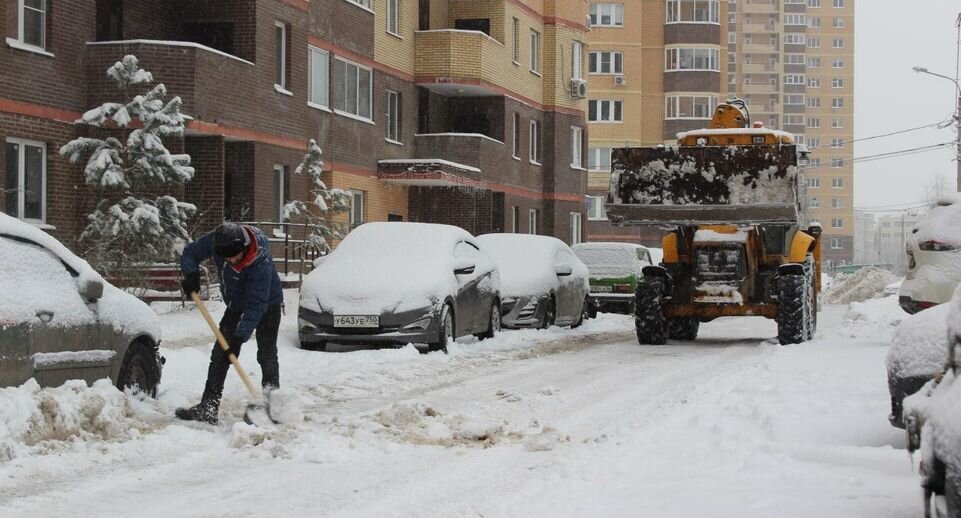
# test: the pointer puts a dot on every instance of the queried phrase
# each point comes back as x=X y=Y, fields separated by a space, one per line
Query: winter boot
x=205 y=412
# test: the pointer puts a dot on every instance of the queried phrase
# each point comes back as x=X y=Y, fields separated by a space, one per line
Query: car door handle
x=45 y=315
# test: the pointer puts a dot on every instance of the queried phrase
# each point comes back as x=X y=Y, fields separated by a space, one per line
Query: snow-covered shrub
x=324 y=204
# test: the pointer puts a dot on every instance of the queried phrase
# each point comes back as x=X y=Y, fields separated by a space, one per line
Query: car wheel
x=550 y=314
x=585 y=313
x=493 y=323
x=140 y=370
x=446 y=331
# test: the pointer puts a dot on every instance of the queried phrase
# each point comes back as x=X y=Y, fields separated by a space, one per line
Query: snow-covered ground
x=558 y=422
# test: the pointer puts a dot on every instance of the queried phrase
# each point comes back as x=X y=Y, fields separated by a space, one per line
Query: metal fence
x=289 y=244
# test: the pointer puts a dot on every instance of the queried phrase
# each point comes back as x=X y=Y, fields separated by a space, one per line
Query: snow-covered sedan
x=934 y=257
x=400 y=283
x=915 y=357
x=542 y=282
x=59 y=320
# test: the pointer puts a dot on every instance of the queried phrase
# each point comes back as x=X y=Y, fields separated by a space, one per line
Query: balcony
x=445 y=160
x=759 y=88
x=760 y=48
x=758 y=7
x=461 y=63
x=758 y=28
x=758 y=68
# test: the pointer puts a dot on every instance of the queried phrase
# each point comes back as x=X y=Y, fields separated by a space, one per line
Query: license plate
x=356 y=321
x=600 y=289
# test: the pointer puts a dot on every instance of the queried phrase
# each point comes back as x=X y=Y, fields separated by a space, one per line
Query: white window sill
x=518 y=63
x=538 y=164
x=598 y=26
x=281 y=90
x=19 y=45
x=365 y=8
x=394 y=34
x=355 y=117
x=605 y=73
x=320 y=107
x=39 y=224
x=691 y=22
x=516 y=158
x=605 y=122
x=577 y=168
x=536 y=73
x=394 y=142
x=596 y=219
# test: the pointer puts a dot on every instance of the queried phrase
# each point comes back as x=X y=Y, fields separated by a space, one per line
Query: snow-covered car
x=59 y=319
x=398 y=283
x=915 y=357
x=933 y=424
x=934 y=257
x=542 y=282
x=614 y=269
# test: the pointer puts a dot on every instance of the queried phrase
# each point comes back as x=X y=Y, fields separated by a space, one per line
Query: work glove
x=191 y=283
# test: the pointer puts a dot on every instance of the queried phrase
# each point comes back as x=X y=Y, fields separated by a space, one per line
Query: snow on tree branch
x=324 y=204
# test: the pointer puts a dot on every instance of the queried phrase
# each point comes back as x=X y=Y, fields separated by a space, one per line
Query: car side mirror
x=463 y=267
x=92 y=290
x=563 y=270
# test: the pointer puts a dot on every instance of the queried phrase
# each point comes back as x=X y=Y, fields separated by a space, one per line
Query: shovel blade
x=258 y=415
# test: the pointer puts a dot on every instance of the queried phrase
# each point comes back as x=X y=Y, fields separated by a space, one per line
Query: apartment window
x=813 y=203
x=794 y=99
x=604 y=110
x=599 y=159
x=690 y=107
x=793 y=119
x=319 y=69
x=837 y=123
x=794 y=59
x=814 y=102
x=693 y=11
x=363 y=3
x=532 y=221
x=693 y=59
x=837 y=143
x=535 y=51
x=814 y=43
x=26 y=180
x=606 y=62
x=794 y=38
x=838 y=43
x=595 y=208
x=535 y=142
x=837 y=163
x=280 y=177
x=393 y=116
x=837 y=223
x=356 y=208
x=576 y=58
x=814 y=82
x=814 y=62
x=280 y=54
x=352 y=89
x=814 y=122
x=731 y=17
x=837 y=183
x=577 y=143
x=816 y=163
x=515 y=219
x=838 y=23
x=836 y=243
x=814 y=22
x=607 y=15
x=838 y=4
x=838 y=63
x=575 y=228
x=814 y=183
x=837 y=102
x=32 y=23
x=517 y=41
x=732 y=37
x=837 y=82
x=393 y=17
x=794 y=79
x=836 y=203
x=794 y=19
x=516 y=128
x=814 y=3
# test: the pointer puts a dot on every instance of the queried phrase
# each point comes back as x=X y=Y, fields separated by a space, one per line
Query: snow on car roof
x=14 y=227
x=942 y=223
x=525 y=262
x=384 y=266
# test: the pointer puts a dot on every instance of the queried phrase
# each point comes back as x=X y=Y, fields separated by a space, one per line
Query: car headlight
x=304 y=323
x=419 y=324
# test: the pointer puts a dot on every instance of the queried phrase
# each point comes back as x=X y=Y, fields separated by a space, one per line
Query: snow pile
x=866 y=283
x=39 y=420
x=919 y=346
x=419 y=423
x=611 y=260
x=527 y=263
x=942 y=223
x=873 y=318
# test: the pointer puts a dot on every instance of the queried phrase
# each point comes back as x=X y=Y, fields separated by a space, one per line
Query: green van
x=614 y=269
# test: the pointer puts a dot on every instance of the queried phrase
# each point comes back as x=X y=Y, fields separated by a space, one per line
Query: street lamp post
x=957 y=114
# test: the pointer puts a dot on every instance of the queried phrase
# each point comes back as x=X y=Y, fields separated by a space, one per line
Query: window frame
x=535 y=140
x=595 y=209
x=280 y=67
x=392 y=14
x=515 y=219
x=535 y=49
x=280 y=182
x=577 y=60
x=616 y=14
x=673 y=7
x=370 y=93
x=613 y=111
x=677 y=60
x=516 y=141
x=532 y=221
x=311 y=51
x=392 y=122
x=599 y=152
x=517 y=44
x=22 y=174
x=21 y=21
x=615 y=58
x=577 y=222
x=352 y=218
x=577 y=146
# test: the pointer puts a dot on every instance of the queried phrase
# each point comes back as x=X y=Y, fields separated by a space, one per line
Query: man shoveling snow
x=251 y=290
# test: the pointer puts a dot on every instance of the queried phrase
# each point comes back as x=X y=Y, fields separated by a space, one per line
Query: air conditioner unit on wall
x=578 y=88
x=620 y=80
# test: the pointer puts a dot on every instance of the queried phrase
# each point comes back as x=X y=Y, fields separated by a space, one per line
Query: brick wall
x=207 y=187
x=470 y=209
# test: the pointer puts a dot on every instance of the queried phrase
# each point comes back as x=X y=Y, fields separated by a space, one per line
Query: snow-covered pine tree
x=325 y=204
x=130 y=227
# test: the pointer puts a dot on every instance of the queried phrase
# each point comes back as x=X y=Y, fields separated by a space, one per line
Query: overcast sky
x=891 y=37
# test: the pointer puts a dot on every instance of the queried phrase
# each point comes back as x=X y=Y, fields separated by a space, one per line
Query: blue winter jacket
x=250 y=287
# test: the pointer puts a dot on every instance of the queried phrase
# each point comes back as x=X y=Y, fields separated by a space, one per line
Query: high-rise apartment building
x=655 y=68
x=793 y=62
x=467 y=112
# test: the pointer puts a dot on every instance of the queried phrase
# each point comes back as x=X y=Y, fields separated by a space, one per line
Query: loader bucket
x=704 y=185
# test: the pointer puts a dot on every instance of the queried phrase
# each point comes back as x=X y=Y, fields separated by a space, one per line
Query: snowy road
x=532 y=423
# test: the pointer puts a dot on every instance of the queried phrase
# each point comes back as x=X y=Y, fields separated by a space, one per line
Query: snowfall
x=554 y=422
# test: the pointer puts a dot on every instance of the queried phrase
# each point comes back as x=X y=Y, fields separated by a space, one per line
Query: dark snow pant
x=266 y=353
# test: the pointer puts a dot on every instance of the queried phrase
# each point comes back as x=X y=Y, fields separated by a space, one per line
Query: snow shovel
x=255 y=413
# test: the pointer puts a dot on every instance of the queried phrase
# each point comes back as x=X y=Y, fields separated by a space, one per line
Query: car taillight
x=622 y=288
x=925 y=305
x=937 y=246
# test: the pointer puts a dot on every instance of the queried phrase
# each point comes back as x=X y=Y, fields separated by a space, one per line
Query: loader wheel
x=648 y=317
x=792 y=304
x=682 y=328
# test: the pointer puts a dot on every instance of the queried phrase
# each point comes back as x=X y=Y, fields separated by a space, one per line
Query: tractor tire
x=649 y=322
x=793 y=307
x=683 y=328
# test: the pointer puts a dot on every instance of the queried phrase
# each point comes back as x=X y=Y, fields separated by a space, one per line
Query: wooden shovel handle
x=223 y=343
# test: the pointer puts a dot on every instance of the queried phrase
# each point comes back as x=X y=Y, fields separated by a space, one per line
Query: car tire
x=314 y=346
x=550 y=314
x=445 y=331
x=140 y=370
x=649 y=323
x=585 y=313
x=493 y=323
